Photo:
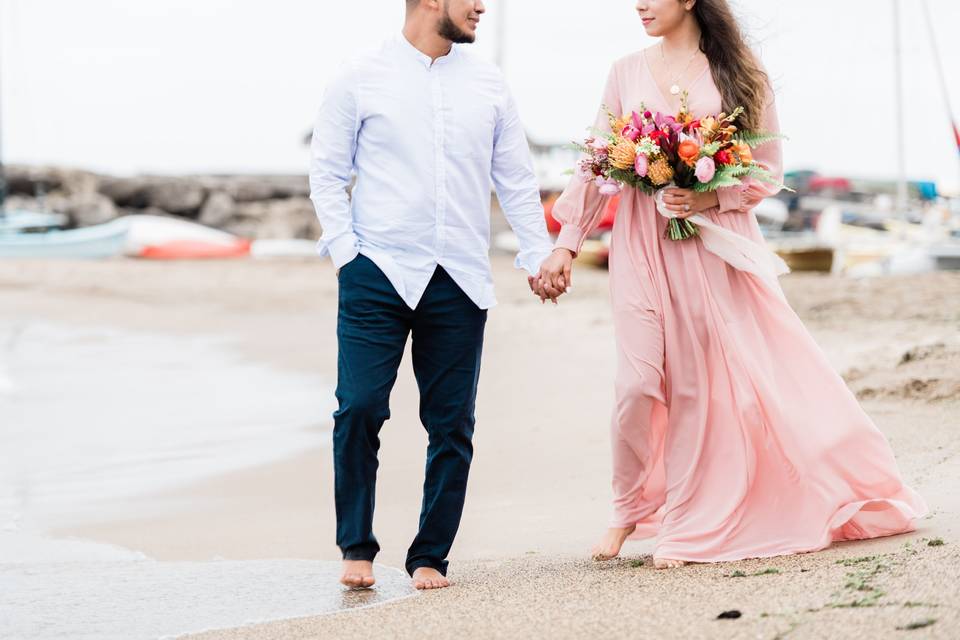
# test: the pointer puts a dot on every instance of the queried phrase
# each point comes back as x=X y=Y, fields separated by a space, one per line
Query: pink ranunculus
x=608 y=187
x=706 y=169
x=641 y=165
x=631 y=133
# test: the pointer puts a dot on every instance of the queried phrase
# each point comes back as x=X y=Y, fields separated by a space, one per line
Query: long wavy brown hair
x=733 y=65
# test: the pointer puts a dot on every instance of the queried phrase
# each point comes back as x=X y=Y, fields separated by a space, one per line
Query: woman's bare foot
x=667 y=563
x=609 y=547
x=429 y=578
x=357 y=574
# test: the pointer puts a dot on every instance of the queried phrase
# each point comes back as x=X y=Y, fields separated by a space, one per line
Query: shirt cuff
x=342 y=249
x=730 y=199
x=532 y=261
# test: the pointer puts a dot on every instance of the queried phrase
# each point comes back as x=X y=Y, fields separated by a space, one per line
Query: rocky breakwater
x=256 y=207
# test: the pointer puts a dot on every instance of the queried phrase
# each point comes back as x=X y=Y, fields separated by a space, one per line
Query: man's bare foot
x=667 y=563
x=357 y=574
x=429 y=578
x=609 y=547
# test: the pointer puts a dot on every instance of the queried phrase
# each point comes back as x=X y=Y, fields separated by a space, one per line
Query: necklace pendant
x=674 y=90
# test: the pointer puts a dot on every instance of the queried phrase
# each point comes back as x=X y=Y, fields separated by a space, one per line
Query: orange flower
x=623 y=153
x=689 y=151
x=743 y=152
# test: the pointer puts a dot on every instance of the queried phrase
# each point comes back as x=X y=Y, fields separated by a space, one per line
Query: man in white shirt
x=427 y=129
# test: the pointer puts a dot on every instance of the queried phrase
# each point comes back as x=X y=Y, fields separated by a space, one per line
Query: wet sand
x=539 y=487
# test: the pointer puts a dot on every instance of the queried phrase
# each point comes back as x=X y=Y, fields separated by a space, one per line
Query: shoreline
x=539 y=491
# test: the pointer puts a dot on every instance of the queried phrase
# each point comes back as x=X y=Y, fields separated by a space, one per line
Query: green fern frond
x=754 y=139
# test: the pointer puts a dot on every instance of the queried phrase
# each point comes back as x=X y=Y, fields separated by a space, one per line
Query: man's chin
x=466 y=37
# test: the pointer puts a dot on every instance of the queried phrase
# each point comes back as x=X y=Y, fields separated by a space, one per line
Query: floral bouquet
x=653 y=151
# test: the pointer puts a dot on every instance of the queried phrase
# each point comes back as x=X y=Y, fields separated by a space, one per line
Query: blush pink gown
x=732 y=435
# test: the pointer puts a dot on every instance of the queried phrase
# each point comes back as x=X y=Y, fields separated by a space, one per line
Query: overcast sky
x=176 y=86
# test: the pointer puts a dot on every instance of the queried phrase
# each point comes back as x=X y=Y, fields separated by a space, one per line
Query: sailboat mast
x=898 y=88
x=3 y=173
x=941 y=76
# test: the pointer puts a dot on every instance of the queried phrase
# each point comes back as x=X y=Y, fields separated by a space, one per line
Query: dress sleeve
x=744 y=197
x=580 y=207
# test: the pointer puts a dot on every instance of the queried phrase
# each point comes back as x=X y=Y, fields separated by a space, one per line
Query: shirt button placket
x=441 y=141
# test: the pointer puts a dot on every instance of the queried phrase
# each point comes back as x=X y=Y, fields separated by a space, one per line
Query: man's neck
x=426 y=40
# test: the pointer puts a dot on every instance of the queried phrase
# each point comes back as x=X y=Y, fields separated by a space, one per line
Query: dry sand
x=539 y=486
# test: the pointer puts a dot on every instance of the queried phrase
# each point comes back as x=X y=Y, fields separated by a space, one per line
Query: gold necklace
x=674 y=86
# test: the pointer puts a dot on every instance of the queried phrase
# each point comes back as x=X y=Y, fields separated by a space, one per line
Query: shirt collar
x=403 y=43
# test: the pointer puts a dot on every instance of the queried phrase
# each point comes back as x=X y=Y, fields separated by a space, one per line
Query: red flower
x=659 y=137
x=723 y=157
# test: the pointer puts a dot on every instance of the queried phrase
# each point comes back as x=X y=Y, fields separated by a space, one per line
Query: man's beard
x=450 y=31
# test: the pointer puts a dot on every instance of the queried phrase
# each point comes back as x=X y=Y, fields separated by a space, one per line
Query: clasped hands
x=554 y=278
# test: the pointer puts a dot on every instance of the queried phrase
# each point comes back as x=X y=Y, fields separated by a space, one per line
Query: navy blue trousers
x=373 y=324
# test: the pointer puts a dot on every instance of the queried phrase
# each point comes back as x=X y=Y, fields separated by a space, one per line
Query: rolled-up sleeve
x=333 y=151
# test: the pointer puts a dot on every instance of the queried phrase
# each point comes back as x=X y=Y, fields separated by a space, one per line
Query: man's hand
x=555 y=277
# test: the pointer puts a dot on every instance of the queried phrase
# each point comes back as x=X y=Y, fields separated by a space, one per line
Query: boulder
x=126 y=192
x=217 y=210
x=288 y=218
x=258 y=188
x=180 y=196
x=28 y=181
x=88 y=209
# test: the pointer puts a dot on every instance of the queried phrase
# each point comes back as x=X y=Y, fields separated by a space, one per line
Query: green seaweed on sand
x=919 y=624
x=769 y=571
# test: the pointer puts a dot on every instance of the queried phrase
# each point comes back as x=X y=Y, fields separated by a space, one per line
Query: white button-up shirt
x=427 y=140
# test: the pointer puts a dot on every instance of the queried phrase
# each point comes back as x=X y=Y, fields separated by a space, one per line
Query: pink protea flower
x=641 y=165
x=706 y=169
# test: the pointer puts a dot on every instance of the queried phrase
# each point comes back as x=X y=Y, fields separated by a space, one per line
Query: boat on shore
x=18 y=221
x=100 y=241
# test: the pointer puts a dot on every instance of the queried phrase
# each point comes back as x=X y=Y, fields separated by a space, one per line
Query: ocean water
x=115 y=594
x=89 y=416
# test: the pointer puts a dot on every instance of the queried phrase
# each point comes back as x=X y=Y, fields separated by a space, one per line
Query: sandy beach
x=539 y=487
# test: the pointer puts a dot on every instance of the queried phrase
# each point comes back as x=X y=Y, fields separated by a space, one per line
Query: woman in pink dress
x=732 y=435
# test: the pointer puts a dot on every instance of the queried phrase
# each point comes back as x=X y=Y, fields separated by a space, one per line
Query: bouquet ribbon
x=731 y=247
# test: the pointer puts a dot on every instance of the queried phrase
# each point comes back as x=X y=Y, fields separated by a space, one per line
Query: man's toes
x=350 y=580
x=368 y=581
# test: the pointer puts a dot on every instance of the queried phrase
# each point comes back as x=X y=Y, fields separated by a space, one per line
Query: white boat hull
x=100 y=241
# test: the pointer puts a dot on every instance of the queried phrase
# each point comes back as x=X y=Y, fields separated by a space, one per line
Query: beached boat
x=100 y=241
x=946 y=257
x=168 y=238
x=807 y=258
x=23 y=221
